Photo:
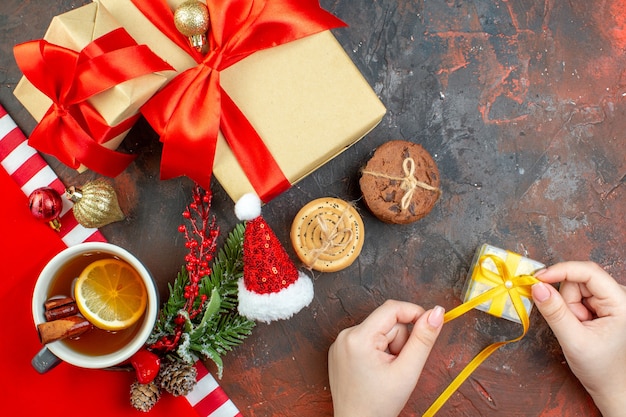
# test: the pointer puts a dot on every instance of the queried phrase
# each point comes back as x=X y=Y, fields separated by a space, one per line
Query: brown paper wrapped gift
x=75 y=30
x=305 y=98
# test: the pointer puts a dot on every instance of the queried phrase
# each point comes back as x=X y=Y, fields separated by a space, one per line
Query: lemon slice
x=110 y=294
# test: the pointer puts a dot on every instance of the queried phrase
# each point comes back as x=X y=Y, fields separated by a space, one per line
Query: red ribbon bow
x=192 y=108
x=72 y=130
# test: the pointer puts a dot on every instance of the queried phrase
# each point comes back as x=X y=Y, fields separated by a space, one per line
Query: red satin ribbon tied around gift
x=190 y=111
x=72 y=130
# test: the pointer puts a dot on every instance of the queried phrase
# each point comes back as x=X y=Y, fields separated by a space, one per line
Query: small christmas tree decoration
x=200 y=318
x=177 y=378
x=191 y=19
x=144 y=396
x=271 y=288
x=45 y=204
x=95 y=203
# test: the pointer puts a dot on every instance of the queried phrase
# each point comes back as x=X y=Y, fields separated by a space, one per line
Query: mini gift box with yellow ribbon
x=499 y=282
x=484 y=275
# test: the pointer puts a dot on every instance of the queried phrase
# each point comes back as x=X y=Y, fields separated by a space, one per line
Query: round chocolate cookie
x=400 y=183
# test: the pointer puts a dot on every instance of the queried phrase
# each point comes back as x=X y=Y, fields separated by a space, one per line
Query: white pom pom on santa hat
x=271 y=287
x=248 y=207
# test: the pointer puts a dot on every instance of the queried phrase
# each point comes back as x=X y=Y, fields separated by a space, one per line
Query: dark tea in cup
x=95 y=341
x=96 y=347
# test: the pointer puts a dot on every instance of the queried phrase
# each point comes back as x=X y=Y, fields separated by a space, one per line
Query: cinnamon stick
x=65 y=310
x=51 y=331
x=57 y=301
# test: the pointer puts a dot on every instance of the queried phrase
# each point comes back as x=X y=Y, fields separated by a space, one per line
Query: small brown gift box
x=75 y=30
x=305 y=98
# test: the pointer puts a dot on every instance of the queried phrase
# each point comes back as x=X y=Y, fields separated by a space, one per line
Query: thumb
x=422 y=339
x=554 y=309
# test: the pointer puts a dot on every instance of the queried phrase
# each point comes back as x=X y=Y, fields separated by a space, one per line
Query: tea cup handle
x=44 y=361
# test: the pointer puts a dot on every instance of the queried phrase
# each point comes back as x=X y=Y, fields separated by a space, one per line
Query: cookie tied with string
x=327 y=234
x=400 y=183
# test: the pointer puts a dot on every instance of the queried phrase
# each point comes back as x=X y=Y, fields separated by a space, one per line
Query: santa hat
x=272 y=287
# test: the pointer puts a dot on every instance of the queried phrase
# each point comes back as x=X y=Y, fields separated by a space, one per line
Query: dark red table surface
x=521 y=103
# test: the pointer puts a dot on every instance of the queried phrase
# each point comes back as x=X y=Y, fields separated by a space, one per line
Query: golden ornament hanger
x=192 y=20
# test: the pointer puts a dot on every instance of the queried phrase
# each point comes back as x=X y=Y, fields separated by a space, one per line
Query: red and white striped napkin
x=28 y=170
x=209 y=399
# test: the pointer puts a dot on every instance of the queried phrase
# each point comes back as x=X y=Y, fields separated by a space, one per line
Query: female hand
x=373 y=367
x=588 y=318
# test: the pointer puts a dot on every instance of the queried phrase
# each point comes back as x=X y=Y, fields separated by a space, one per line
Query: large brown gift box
x=306 y=98
x=75 y=30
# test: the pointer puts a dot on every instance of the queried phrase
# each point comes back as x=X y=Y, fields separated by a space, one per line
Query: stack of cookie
x=400 y=183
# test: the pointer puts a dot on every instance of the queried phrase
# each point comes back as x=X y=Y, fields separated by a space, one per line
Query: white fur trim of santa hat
x=276 y=305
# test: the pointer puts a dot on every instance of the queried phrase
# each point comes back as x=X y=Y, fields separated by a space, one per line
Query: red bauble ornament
x=45 y=204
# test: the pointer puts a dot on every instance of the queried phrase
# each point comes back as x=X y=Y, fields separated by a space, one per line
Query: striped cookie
x=327 y=234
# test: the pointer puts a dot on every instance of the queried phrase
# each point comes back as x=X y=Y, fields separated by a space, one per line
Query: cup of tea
x=91 y=346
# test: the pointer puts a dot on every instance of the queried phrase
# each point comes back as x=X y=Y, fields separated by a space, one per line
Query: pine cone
x=144 y=396
x=177 y=378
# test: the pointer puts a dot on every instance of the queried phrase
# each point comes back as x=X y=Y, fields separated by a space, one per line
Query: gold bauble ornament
x=95 y=203
x=192 y=20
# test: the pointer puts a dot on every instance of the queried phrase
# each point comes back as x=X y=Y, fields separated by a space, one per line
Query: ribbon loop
x=72 y=130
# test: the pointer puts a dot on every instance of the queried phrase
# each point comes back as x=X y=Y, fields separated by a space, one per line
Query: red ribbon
x=190 y=111
x=72 y=130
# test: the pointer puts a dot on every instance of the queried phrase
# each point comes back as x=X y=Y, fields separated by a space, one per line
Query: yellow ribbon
x=507 y=286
